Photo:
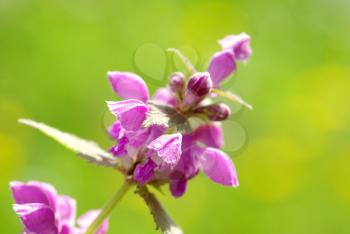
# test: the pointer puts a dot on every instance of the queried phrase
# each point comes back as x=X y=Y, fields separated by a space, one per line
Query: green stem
x=106 y=210
x=184 y=59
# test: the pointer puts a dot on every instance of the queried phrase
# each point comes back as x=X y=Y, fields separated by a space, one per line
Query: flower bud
x=199 y=84
x=239 y=45
x=177 y=82
x=197 y=88
x=215 y=112
x=221 y=66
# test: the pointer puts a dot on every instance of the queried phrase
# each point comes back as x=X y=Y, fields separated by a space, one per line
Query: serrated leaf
x=161 y=218
x=233 y=97
x=166 y=116
x=86 y=149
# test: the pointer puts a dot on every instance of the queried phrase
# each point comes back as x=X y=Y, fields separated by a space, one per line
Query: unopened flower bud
x=177 y=82
x=197 y=88
x=215 y=112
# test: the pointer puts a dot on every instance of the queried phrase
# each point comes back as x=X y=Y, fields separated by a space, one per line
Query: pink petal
x=178 y=187
x=128 y=85
x=167 y=148
x=219 y=167
x=144 y=172
x=115 y=130
x=37 y=218
x=165 y=96
x=221 y=66
x=86 y=219
x=66 y=210
x=34 y=192
x=210 y=135
x=238 y=44
x=131 y=113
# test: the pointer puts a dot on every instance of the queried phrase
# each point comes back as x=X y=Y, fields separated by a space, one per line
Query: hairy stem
x=106 y=210
x=162 y=219
x=184 y=59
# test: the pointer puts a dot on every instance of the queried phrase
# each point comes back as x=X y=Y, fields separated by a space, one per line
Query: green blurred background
x=291 y=152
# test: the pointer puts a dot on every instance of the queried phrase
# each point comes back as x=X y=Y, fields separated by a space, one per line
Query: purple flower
x=214 y=163
x=221 y=66
x=128 y=85
x=43 y=211
x=239 y=45
x=197 y=88
x=165 y=96
x=166 y=149
x=215 y=112
x=115 y=130
x=219 y=167
x=144 y=172
x=210 y=134
x=177 y=82
x=131 y=113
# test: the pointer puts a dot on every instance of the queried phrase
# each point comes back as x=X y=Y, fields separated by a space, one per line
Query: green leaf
x=233 y=97
x=161 y=218
x=86 y=149
x=166 y=116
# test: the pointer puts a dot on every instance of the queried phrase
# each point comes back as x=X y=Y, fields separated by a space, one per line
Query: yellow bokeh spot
x=271 y=169
x=340 y=176
x=323 y=98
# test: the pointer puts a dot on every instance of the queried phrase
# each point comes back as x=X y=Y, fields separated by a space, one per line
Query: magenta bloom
x=128 y=85
x=43 y=211
x=165 y=96
x=239 y=45
x=213 y=162
x=223 y=63
x=166 y=149
x=131 y=113
x=198 y=87
x=221 y=66
x=148 y=153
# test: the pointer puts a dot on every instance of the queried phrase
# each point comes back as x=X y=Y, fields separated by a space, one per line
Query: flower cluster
x=158 y=153
x=165 y=139
x=43 y=211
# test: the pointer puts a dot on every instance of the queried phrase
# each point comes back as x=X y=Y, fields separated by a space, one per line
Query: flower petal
x=238 y=44
x=34 y=192
x=115 y=130
x=128 y=85
x=219 y=167
x=131 y=113
x=222 y=64
x=210 y=135
x=86 y=219
x=66 y=210
x=37 y=218
x=178 y=187
x=120 y=148
x=167 y=148
x=165 y=96
x=143 y=173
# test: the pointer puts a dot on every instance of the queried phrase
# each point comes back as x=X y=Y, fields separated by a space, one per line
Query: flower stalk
x=106 y=210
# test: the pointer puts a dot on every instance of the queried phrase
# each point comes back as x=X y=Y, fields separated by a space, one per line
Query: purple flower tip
x=238 y=44
x=128 y=85
x=215 y=112
x=219 y=167
x=199 y=84
x=177 y=82
x=221 y=66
